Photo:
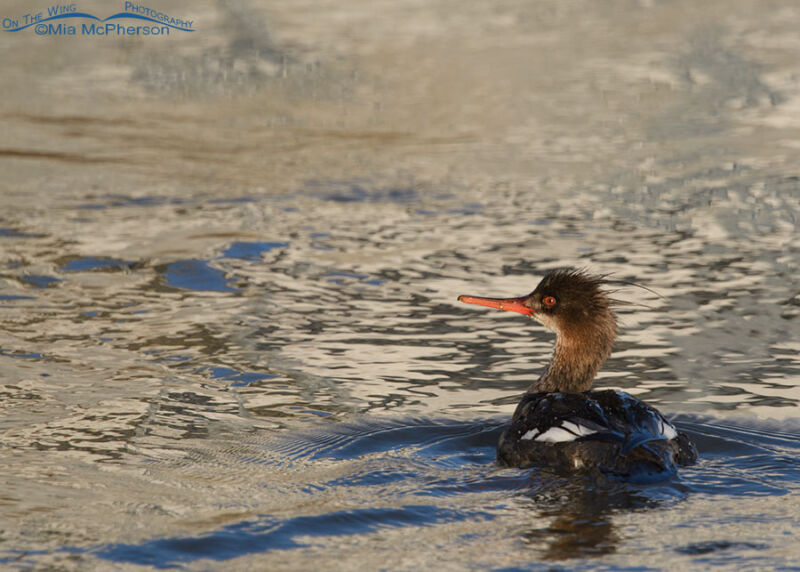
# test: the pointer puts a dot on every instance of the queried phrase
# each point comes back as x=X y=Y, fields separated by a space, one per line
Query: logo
x=67 y=20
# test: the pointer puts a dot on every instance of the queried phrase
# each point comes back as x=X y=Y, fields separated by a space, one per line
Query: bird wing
x=607 y=415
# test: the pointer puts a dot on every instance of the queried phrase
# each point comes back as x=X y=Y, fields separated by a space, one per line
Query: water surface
x=229 y=261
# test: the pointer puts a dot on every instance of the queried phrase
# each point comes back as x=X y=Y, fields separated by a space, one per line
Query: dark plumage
x=630 y=436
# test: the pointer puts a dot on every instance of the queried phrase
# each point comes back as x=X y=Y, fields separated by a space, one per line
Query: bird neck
x=575 y=362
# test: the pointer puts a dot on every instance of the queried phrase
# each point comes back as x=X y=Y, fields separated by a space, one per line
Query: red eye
x=549 y=301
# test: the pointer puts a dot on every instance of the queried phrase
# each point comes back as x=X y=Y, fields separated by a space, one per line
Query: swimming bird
x=560 y=421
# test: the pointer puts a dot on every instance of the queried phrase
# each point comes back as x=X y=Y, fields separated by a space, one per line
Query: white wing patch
x=567 y=431
x=556 y=435
x=667 y=430
x=530 y=435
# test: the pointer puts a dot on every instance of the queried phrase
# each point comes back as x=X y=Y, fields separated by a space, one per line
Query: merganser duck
x=561 y=423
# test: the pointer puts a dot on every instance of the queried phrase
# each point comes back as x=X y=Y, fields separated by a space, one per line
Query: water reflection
x=579 y=512
x=210 y=243
x=437 y=477
x=579 y=526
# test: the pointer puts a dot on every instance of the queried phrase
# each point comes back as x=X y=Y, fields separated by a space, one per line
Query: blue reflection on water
x=239 y=378
x=269 y=533
x=21 y=355
x=196 y=275
x=252 y=250
x=95 y=263
x=39 y=281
